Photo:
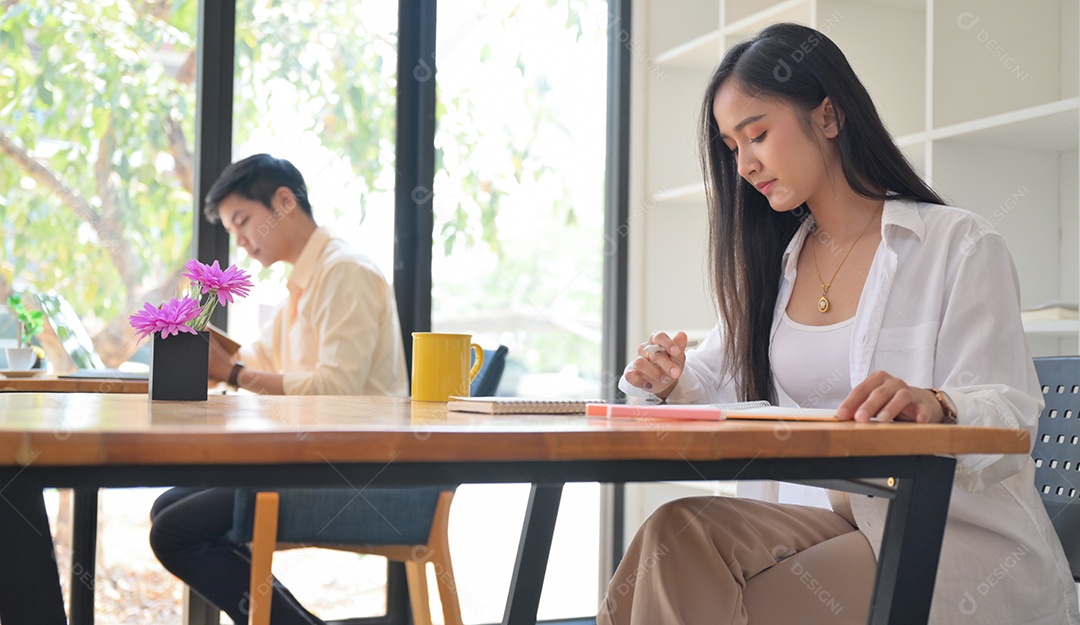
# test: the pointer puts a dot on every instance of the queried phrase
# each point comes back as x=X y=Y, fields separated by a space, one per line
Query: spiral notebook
x=518 y=405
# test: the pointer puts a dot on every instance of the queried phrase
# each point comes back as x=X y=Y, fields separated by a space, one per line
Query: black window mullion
x=616 y=198
x=616 y=257
x=415 y=167
x=215 y=60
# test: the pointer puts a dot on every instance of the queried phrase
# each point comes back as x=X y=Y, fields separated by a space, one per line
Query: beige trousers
x=720 y=561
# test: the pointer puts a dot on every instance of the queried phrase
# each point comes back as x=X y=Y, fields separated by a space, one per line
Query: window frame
x=414 y=219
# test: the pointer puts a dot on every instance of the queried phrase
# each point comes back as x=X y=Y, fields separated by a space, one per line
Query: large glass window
x=519 y=203
x=518 y=253
x=97 y=110
x=315 y=84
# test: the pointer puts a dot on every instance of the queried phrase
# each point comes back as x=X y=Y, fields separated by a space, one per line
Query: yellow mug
x=440 y=365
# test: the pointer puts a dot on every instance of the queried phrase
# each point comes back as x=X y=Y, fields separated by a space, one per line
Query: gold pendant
x=823 y=304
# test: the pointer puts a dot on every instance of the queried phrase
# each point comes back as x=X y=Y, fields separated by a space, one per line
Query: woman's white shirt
x=940 y=309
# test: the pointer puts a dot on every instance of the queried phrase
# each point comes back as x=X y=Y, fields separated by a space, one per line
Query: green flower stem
x=208 y=304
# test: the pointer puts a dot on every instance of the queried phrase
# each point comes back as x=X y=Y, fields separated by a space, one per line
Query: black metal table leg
x=84 y=519
x=197 y=610
x=532 y=557
x=911 y=545
x=398 y=608
x=29 y=580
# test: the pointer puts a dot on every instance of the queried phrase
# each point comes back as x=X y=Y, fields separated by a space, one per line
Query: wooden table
x=53 y=384
x=91 y=441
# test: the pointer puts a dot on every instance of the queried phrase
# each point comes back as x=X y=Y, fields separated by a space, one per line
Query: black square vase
x=178 y=366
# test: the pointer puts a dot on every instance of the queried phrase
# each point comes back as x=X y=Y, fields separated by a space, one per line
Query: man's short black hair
x=256 y=178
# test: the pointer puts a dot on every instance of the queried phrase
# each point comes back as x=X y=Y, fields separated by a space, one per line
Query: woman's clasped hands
x=659 y=363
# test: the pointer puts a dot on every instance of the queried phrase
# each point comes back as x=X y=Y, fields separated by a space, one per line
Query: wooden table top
x=53 y=384
x=61 y=429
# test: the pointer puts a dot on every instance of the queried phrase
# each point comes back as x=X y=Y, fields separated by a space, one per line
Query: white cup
x=20 y=358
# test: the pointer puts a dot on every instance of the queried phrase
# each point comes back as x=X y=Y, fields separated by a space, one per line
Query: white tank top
x=812 y=363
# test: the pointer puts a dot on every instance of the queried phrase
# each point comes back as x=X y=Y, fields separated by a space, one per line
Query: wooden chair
x=435 y=549
x=1057 y=451
x=402 y=524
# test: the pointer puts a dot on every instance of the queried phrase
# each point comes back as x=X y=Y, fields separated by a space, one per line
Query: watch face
x=947 y=405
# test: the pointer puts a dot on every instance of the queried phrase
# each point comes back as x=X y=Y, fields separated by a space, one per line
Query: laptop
x=76 y=341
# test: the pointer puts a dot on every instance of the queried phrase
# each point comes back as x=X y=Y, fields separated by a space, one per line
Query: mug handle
x=479 y=353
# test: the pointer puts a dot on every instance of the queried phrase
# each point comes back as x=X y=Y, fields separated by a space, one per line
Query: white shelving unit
x=981 y=95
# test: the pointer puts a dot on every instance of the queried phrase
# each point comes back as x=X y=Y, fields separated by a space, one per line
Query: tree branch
x=116 y=341
x=107 y=227
x=185 y=162
x=45 y=177
x=116 y=345
x=111 y=232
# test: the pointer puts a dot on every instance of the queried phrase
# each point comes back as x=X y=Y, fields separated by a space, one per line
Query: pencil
x=653 y=347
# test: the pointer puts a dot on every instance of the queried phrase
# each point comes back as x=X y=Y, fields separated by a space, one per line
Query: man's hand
x=221 y=361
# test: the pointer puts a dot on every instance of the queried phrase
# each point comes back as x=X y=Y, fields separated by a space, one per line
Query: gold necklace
x=823 y=303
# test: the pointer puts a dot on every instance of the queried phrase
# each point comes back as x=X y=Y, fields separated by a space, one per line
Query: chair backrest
x=487 y=381
x=1057 y=451
x=343 y=516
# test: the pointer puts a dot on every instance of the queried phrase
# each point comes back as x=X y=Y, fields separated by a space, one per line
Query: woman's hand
x=890 y=399
x=659 y=363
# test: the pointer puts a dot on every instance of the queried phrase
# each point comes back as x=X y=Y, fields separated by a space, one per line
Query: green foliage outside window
x=29 y=321
x=97 y=109
x=97 y=113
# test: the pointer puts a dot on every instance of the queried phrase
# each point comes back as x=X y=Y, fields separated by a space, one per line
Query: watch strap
x=948 y=407
x=234 y=375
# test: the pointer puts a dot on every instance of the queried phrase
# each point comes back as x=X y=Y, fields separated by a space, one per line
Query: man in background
x=336 y=334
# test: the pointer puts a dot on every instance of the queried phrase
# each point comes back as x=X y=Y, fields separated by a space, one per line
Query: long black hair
x=747 y=239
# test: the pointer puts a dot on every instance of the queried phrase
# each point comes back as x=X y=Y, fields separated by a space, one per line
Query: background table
x=91 y=440
x=53 y=384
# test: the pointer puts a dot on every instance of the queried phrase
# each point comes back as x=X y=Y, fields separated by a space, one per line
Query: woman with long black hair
x=842 y=281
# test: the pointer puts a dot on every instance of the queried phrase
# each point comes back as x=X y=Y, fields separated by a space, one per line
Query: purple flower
x=171 y=319
x=191 y=313
x=224 y=284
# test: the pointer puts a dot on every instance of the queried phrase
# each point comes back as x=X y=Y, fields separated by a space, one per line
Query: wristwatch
x=234 y=375
x=948 y=406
